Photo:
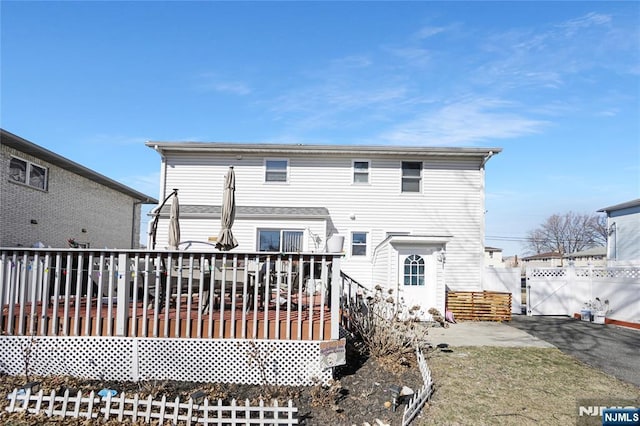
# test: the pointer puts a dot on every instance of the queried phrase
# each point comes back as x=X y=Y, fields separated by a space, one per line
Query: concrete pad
x=483 y=333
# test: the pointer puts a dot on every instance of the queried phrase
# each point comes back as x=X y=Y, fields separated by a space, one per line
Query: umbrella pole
x=154 y=226
x=163 y=266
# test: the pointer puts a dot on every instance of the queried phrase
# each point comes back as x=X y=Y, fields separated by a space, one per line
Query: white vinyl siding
x=452 y=203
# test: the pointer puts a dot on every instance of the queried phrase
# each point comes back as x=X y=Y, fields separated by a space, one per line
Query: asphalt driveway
x=612 y=349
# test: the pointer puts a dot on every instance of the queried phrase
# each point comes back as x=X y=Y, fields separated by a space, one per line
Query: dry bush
x=387 y=331
x=325 y=395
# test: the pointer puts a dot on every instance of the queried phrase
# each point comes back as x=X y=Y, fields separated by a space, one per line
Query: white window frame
x=366 y=243
x=355 y=172
x=29 y=165
x=281 y=232
x=420 y=276
x=411 y=178
x=267 y=171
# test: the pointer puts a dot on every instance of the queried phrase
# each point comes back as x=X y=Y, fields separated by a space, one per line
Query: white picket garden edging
x=147 y=409
x=415 y=404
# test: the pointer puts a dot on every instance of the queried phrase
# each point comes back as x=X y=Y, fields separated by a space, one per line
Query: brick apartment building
x=48 y=199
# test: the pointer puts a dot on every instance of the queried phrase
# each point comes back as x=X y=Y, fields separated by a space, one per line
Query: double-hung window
x=411 y=176
x=360 y=172
x=358 y=244
x=26 y=172
x=276 y=170
x=282 y=240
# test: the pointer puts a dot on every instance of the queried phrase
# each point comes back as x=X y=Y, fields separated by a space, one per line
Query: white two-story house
x=623 y=240
x=412 y=218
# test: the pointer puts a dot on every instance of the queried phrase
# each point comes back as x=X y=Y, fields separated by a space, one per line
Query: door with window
x=417 y=281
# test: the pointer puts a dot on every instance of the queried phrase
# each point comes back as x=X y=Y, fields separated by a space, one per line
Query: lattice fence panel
x=295 y=363
x=547 y=272
x=233 y=361
x=91 y=357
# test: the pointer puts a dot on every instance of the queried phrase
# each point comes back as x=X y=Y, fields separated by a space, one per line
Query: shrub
x=385 y=328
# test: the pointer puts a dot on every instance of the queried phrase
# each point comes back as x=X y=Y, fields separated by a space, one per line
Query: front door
x=416 y=282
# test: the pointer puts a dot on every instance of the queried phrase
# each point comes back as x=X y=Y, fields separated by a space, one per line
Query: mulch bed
x=360 y=393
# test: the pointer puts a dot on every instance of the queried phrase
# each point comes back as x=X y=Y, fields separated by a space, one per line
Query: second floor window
x=411 y=176
x=276 y=170
x=360 y=172
x=26 y=172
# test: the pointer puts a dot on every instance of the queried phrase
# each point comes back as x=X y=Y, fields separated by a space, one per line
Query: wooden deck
x=184 y=320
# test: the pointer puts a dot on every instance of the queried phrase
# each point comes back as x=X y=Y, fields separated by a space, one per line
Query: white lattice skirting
x=290 y=363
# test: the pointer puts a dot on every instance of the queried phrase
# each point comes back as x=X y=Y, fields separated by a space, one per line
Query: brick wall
x=70 y=204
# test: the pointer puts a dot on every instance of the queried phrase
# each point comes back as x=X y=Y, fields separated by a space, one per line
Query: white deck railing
x=87 y=292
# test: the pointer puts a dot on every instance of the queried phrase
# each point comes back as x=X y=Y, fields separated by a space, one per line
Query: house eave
x=407 y=240
x=628 y=204
x=30 y=148
x=249 y=212
x=320 y=150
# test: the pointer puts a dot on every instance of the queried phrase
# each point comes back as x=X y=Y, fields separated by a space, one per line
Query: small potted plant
x=600 y=310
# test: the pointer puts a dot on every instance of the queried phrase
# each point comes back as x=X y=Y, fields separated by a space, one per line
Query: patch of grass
x=514 y=386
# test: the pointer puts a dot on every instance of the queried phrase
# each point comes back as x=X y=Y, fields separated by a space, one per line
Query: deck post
x=335 y=297
x=124 y=284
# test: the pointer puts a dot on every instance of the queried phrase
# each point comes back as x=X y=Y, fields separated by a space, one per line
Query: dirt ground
x=358 y=394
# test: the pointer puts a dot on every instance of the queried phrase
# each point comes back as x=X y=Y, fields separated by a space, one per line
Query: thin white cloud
x=234 y=88
x=415 y=56
x=465 y=122
x=351 y=62
x=608 y=113
x=210 y=82
x=147 y=184
x=573 y=26
x=428 y=31
x=549 y=56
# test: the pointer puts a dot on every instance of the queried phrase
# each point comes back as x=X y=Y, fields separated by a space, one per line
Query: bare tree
x=568 y=233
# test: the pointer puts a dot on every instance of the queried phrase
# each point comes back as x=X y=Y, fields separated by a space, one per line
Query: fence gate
x=565 y=291
x=548 y=291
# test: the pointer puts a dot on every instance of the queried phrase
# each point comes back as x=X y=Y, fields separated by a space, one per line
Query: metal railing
x=142 y=293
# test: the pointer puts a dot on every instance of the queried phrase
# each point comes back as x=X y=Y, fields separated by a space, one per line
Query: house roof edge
x=28 y=147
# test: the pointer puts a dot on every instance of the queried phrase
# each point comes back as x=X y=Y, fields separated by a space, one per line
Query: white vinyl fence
x=564 y=291
x=505 y=280
x=123 y=408
x=415 y=404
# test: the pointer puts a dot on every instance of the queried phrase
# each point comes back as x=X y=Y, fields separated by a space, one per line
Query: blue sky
x=555 y=84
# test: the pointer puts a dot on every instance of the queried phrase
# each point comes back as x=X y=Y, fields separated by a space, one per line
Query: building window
x=414 y=270
x=281 y=240
x=358 y=244
x=22 y=171
x=276 y=170
x=360 y=172
x=411 y=176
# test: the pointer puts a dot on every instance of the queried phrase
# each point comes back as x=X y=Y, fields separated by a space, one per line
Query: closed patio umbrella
x=174 y=224
x=226 y=240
